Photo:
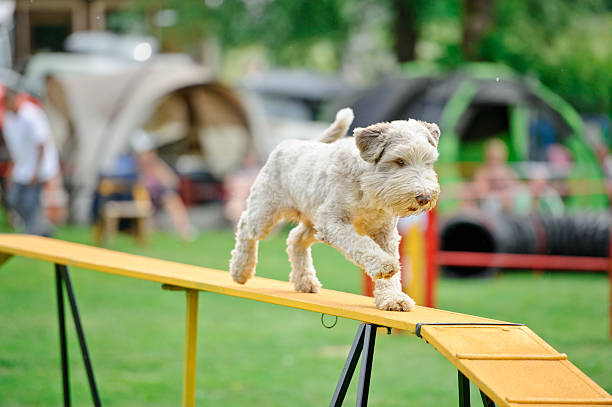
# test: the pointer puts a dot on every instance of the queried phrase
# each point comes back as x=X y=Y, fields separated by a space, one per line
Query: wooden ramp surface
x=510 y=363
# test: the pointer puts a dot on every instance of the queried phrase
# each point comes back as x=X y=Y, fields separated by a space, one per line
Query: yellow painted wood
x=169 y=287
x=414 y=247
x=329 y=302
x=513 y=366
x=584 y=402
x=475 y=356
x=191 y=340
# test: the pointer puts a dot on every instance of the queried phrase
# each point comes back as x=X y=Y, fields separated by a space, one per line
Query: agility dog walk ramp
x=509 y=363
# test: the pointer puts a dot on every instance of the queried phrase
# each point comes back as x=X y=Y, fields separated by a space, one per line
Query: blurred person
x=162 y=184
x=495 y=182
x=560 y=159
x=237 y=186
x=55 y=201
x=539 y=196
x=467 y=197
x=34 y=157
x=560 y=163
x=605 y=161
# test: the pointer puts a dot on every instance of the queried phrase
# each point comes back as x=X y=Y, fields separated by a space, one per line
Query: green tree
x=287 y=28
x=563 y=42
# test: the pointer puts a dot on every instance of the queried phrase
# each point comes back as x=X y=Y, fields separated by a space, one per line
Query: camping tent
x=477 y=102
x=186 y=111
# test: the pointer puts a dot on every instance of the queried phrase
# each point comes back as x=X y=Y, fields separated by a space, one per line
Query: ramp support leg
x=464 y=393
x=363 y=346
x=191 y=338
x=486 y=401
x=62 y=278
x=464 y=390
x=366 y=365
x=61 y=313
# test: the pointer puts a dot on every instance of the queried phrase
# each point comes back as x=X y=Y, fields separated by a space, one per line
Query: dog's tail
x=338 y=128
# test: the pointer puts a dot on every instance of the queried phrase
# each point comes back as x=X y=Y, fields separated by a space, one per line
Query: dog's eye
x=400 y=162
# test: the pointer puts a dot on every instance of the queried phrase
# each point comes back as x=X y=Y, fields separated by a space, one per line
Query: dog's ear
x=371 y=141
x=434 y=132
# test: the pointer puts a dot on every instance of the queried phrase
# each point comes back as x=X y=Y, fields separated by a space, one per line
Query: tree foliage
x=287 y=28
x=563 y=42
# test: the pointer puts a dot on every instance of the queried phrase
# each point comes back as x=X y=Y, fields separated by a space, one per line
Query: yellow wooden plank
x=588 y=402
x=191 y=342
x=480 y=356
x=512 y=364
x=329 y=302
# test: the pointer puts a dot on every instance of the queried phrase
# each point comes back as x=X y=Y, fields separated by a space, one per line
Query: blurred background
x=212 y=86
x=163 y=111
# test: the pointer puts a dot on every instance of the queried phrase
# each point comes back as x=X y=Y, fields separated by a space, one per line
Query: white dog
x=348 y=193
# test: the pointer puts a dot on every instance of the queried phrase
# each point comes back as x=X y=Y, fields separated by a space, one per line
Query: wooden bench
x=139 y=210
x=510 y=364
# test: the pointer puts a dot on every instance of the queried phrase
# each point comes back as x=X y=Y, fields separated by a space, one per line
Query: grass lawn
x=252 y=353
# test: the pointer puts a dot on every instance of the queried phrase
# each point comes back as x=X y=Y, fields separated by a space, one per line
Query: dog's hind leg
x=303 y=274
x=254 y=225
x=244 y=255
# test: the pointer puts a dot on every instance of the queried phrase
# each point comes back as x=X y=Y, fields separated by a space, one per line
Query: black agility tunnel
x=576 y=234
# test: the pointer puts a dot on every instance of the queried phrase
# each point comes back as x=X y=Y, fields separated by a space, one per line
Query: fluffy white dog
x=346 y=192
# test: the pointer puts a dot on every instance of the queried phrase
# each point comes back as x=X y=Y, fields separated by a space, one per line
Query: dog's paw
x=305 y=284
x=242 y=266
x=394 y=301
x=239 y=274
x=239 y=278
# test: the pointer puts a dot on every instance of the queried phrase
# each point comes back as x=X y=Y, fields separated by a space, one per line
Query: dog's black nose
x=423 y=200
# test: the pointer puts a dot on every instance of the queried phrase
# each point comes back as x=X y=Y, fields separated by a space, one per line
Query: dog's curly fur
x=348 y=193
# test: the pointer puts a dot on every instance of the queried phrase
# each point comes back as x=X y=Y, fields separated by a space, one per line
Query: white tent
x=94 y=116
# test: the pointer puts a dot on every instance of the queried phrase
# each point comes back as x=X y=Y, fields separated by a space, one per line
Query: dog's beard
x=397 y=195
x=411 y=207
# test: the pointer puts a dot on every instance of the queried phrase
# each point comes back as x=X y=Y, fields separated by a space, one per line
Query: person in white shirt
x=35 y=159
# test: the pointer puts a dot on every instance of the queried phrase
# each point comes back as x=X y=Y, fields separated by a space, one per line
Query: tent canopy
x=483 y=111
x=478 y=102
x=184 y=109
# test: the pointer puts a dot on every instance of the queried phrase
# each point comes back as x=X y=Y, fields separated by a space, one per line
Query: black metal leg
x=486 y=401
x=366 y=365
x=349 y=368
x=464 y=390
x=80 y=334
x=62 y=334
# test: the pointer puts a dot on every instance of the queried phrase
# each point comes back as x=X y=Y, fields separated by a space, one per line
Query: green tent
x=482 y=101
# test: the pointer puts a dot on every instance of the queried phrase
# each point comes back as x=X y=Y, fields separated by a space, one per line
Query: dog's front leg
x=361 y=250
x=388 y=293
x=388 y=238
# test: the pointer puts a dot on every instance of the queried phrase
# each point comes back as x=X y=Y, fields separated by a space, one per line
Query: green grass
x=252 y=353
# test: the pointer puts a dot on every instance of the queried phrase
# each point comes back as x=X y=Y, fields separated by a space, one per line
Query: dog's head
x=402 y=154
